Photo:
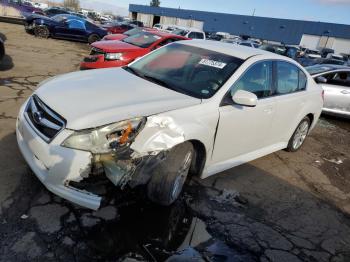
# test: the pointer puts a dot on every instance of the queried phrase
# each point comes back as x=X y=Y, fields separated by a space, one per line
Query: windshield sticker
x=212 y=63
x=205 y=91
x=157 y=37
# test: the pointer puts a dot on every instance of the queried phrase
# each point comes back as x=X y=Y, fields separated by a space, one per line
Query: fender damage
x=132 y=163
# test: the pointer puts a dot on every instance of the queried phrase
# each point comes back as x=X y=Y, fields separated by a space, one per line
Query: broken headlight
x=113 y=56
x=103 y=139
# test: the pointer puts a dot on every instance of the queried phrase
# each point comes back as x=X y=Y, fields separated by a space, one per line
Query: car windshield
x=132 y=31
x=142 y=39
x=317 y=69
x=186 y=69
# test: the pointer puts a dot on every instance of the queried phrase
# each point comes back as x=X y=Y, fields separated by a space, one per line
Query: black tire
x=93 y=38
x=292 y=145
x=170 y=175
x=41 y=31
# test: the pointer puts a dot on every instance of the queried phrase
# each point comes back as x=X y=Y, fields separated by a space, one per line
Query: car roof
x=164 y=34
x=242 y=52
x=325 y=68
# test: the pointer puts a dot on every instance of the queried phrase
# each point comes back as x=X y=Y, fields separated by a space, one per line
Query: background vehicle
x=335 y=81
x=117 y=27
x=128 y=33
x=277 y=49
x=311 y=53
x=325 y=51
x=319 y=61
x=66 y=27
x=52 y=11
x=136 y=23
x=24 y=8
x=213 y=36
x=120 y=53
x=248 y=44
x=191 y=33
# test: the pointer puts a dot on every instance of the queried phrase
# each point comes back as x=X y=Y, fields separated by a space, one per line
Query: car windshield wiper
x=159 y=82
x=133 y=71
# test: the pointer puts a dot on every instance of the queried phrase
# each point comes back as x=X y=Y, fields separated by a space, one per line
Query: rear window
x=290 y=78
x=142 y=39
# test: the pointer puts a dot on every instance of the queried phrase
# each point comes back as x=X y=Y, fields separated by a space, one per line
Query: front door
x=242 y=130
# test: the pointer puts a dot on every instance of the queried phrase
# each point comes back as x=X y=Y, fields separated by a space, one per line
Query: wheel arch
x=311 y=117
x=199 y=159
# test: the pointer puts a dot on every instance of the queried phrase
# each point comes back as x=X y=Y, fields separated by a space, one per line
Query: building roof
x=275 y=29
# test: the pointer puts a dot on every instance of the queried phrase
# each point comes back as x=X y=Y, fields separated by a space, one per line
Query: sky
x=334 y=11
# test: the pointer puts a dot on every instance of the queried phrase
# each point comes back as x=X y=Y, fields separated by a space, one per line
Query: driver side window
x=76 y=24
x=257 y=80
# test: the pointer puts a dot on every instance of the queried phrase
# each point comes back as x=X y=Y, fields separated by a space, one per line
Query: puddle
x=146 y=232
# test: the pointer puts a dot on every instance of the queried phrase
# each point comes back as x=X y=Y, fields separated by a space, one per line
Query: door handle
x=345 y=92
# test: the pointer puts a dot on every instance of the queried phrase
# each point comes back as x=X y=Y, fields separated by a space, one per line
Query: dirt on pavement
x=282 y=207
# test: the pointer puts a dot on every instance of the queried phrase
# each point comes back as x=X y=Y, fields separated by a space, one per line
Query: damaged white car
x=193 y=107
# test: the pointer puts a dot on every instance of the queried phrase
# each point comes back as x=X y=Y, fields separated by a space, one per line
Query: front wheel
x=170 y=175
x=299 y=135
x=41 y=31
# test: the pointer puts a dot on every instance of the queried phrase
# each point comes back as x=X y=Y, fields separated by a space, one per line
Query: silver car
x=335 y=81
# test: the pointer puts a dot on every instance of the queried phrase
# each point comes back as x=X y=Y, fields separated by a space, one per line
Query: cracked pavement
x=283 y=207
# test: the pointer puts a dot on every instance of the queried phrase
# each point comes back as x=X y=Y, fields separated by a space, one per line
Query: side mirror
x=245 y=98
x=321 y=80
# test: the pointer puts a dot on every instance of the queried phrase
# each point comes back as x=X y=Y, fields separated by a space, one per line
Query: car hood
x=31 y=16
x=115 y=46
x=115 y=37
x=94 y=98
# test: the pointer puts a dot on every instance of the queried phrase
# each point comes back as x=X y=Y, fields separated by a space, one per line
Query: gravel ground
x=283 y=207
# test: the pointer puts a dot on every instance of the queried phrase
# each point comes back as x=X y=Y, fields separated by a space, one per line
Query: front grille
x=43 y=120
x=97 y=51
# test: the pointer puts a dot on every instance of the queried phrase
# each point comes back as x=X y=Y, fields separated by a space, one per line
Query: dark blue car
x=64 y=26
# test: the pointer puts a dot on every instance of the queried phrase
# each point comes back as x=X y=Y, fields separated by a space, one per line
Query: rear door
x=337 y=91
x=291 y=95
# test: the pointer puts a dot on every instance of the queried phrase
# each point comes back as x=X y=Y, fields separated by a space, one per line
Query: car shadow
x=3 y=37
x=6 y=63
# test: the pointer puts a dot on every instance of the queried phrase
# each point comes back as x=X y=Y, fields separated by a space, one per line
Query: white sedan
x=192 y=107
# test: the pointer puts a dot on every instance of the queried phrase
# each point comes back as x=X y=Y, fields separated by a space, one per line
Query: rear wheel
x=93 y=38
x=299 y=135
x=41 y=31
x=170 y=175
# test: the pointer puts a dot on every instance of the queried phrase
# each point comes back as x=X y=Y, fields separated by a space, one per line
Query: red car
x=120 y=53
x=118 y=28
x=128 y=33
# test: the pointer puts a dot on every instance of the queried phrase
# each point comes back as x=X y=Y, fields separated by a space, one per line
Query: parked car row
x=189 y=32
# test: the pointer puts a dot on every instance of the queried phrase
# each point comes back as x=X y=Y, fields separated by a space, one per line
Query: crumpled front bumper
x=55 y=165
